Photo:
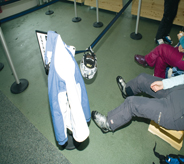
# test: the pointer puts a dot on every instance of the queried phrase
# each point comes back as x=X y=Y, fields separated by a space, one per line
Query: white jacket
x=68 y=98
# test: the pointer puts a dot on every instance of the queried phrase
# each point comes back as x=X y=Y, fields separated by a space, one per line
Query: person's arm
x=174 y=81
x=156 y=86
x=181 y=41
x=167 y=83
x=180 y=34
x=180 y=48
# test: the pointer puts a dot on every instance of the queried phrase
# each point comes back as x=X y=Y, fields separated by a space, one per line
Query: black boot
x=101 y=121
x=122 y=85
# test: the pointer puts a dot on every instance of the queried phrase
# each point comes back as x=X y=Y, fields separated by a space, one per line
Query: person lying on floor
x=163 y=56
x=166 y=108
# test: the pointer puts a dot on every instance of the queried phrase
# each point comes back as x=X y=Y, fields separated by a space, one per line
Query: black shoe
x=122 y=85
x=141 y=60
x=101 y=121
x=168 y=40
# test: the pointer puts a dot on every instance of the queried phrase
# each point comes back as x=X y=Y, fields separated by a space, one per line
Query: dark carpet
x=21 y=142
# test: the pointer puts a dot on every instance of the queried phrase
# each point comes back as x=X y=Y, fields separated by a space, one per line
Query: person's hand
x=157 y=85
x=180 y=34
x=180 y=48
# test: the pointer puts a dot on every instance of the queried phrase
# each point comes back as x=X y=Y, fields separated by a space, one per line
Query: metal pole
x=41 y=2
x=49 y=12
x=138 y=16
x=75 y=8
x=97 y=23
x=106 y=29
x=110 y=24
x=76 y=18
x=19 y=85
x=97 y=17
x=135 y=35
x=9 y=58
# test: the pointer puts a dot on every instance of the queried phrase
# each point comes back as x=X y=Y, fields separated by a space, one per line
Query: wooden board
x=78 y=1
x=154 y=9
x=115 y=5
x=174 y=138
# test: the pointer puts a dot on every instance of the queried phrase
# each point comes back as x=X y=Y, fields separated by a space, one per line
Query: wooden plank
x=110 y=5
x=78 y=1
x=174 y=138
x=154 y=9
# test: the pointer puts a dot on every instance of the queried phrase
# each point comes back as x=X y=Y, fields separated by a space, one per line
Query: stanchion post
x=40 y=2
x=19 y=85
x=97 y=23
x=49 y=12
x=76 y=18
x=135 y=35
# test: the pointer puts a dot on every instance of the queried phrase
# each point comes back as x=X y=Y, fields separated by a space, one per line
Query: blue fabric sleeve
x=174 y=81
x=182 y=41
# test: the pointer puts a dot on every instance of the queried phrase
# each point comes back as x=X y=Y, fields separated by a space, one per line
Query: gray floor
x=21 y=142
x=115 y=53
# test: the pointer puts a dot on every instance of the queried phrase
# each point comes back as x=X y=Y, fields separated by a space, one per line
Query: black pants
x=170 y=11
x=165 y=108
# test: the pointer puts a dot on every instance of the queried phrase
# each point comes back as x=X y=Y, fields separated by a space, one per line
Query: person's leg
x=161 y=28
x=151 y=58
x=160 y=68
x=142 y=84
x=170 y=11
x=158 y=110
x=161 y=50
x=163 y=56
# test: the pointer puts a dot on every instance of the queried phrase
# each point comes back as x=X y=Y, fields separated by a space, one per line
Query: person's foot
x=159 y=41
x=122 y=85
x=168 y=40
x=141 y=60
x=101 y=121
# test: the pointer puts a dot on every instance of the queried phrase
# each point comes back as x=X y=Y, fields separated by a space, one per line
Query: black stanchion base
x=49 y=12
x=71 y=144
x=76 y=19
x=135 y=36
x=98 y=24
x=18 y=88
x=1 y=66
